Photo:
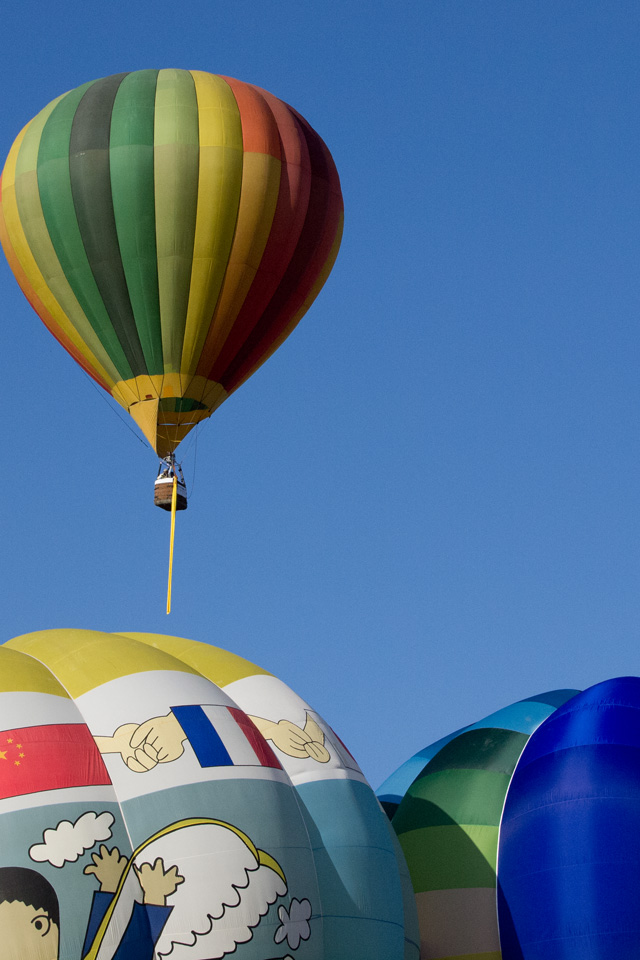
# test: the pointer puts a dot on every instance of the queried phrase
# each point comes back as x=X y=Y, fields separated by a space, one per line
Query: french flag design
x=224 y=737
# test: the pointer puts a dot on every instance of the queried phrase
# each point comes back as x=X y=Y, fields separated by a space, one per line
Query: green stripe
x=453 y=857
x=487 y=749
x=453 y=796
x=180 y=405
x=176 y=160
x=131 y=163
x=54 y=184
x=37 y=237
x=91 y=189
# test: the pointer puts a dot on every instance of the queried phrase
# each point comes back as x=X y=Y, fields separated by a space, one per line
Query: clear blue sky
x=425 y=506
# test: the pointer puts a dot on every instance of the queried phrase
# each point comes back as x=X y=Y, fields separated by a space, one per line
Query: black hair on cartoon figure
x=31 y=888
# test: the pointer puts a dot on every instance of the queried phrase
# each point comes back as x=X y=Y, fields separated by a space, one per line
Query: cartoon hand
x=161 y=738
x=293 y=740
x=315 y=747
x=138 y=757
x=108 y=867
x=157 y=883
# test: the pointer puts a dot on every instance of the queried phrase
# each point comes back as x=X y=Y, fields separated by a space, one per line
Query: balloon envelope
x=446 y=805
x=170 y=227
x=164 y=797
x=569 y=861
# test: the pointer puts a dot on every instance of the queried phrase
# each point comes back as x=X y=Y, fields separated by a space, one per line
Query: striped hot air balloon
x=170 y=228
x=446 y=805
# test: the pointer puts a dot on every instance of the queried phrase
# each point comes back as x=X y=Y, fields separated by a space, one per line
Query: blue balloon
x=569 y=849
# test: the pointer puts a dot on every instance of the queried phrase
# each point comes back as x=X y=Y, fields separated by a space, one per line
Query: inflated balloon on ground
x=521 y=830
x=569 y=859
x=445 y=804
x=162 y=797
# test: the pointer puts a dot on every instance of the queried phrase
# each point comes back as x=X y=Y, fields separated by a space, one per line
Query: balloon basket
x=163 y=492
x=163 y=487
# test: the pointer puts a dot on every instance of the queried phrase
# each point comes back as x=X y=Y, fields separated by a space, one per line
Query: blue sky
x=425 y=505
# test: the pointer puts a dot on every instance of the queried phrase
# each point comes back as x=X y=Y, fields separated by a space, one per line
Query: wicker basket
x=163 y=493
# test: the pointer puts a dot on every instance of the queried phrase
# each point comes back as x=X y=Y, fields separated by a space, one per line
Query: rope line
x=195 y=458
x=101 y=392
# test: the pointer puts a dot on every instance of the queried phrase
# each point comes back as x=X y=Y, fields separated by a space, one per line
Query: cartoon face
x=27 y=931
x=29 y=916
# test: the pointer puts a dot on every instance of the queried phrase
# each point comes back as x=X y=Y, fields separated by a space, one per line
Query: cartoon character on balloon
x=150 y=904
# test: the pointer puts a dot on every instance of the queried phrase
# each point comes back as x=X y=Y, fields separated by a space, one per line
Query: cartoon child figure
x=147 y=919
x=216 y=890
x=29 y=915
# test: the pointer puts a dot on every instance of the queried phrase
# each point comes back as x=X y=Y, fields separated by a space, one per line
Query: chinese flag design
x=49 y=757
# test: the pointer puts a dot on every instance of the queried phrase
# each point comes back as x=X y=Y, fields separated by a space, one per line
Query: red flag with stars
x=49 y=757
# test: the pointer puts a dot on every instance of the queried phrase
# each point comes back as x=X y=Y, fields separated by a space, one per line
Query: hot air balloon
x=446 y=806
x=569 y=857
x=170 y=228
x=161 y=797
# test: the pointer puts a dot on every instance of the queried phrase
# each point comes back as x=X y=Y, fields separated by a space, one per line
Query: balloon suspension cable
x=174 y=501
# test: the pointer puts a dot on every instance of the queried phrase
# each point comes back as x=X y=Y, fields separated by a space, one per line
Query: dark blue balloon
x=569 y=851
